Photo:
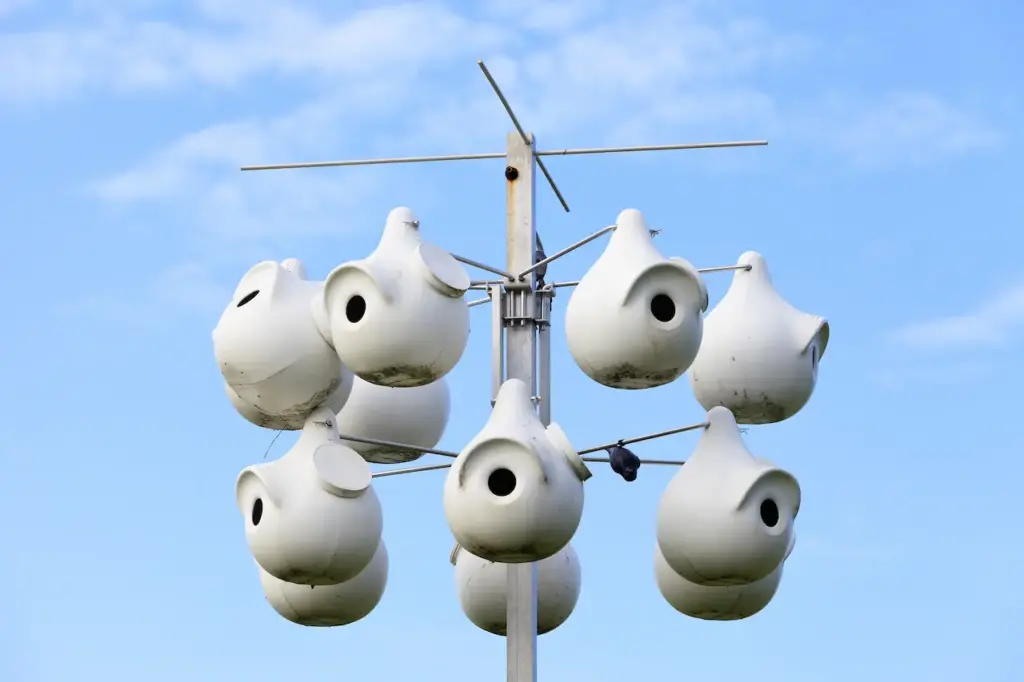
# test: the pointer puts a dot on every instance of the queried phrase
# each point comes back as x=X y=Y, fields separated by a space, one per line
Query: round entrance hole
x=501 y=482
x=769 y=513
x=355 y=308
x=663 y=308
x=257 y=511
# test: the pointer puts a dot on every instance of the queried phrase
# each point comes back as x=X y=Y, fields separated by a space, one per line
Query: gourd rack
x=521 y=325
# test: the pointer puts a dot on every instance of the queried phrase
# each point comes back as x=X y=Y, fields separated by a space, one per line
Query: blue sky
x=888 y=200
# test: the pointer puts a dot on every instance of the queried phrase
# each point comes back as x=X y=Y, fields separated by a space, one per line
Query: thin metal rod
x=724 y=268
x=566 y=250
x=497 y=338
x=497 y=155
x=402 y=446
x=479 y=301
x=721 y=268
x=482 y=266
x=375 y=162
x=666 y=462
x=653 y=148
x=544 y=360
x=410 y=470
x=522 y=132
x=640 y=439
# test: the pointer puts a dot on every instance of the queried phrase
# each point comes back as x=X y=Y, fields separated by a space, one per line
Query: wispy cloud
x=993 y=323
x=901 y=127
x=572 y=67
x=223 y=42
x=548 y=64
x=900 y=376
x=188 y=288
x=398 y=79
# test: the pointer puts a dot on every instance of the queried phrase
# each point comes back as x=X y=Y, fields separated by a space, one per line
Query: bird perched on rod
x=538 y=256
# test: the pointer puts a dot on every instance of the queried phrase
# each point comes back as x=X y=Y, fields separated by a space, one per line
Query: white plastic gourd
x=726 y=518
x=277 y=367
x=714 y=602
x=414 y=416
x=635 y=319
x=311 y=517
x=483 y=589
x=397 y=317
x=515 y=492
x=329 y=605
x=760 y=355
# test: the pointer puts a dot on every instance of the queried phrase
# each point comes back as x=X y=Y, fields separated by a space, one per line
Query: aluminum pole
x=520 y=357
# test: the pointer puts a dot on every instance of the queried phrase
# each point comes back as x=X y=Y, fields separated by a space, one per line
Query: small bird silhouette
x=538 y=256
x=623 y=462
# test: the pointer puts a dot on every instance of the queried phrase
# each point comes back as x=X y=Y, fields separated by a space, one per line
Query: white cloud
x=900 y=377
x=902 y=127
x=399 y=79
x=992 y=323
x=187 y=288
x=602 y=76
x=109 y=47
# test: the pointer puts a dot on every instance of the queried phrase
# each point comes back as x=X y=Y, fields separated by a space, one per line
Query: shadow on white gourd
x=311 y=517
x=277 y=366
x=726 y=518
x=412 y=416
x=515 y=492
x=760 y=354
x=635 y=319
x=482 y=587
x=716 y=602
x=329 y=605
x=397 y=317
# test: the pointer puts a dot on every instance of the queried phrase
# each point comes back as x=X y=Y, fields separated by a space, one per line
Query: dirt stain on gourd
x=522 y=554
x=386 y=455
x=630 y=377
x=402 y=376
x=760 y=409
x=296 y=415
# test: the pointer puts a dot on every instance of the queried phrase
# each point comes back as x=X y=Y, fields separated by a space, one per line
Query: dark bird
x=623 y=462
x=538 y=256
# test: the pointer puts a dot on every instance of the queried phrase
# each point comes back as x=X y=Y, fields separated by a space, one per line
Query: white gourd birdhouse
x=311 y=517
x=414 y=416
x=726 y=518
x=760 y=354
x=277 y=366
x=397 y=317
x=635 y=319
x=291 y=422
x=329 y=605
x=483 y=588
x=515 y=492
x=714 y=602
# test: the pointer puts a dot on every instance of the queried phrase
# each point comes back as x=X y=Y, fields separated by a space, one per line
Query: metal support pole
x=521 y=361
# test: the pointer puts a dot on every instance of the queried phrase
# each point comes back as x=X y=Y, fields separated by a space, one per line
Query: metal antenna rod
x=499 y=155
x=522 y=133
